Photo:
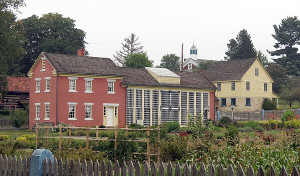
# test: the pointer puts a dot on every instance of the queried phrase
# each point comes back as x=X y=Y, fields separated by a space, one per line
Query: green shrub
x=268 y=105
x=231 y=134
x=245 y=129
x=288 y=115
x=7 y=147
x=4 y=113
x=292 y=124
x=18 y=117
x=273 y=124
x=3 y=137
x=224 y=121
x=25 y=141
x=172 y=127
x=173 y=149
x=252 y=124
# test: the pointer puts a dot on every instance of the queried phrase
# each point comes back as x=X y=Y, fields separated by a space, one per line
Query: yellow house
x=241 y=84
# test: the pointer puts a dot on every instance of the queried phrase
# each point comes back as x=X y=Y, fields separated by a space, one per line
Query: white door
x=110 y=117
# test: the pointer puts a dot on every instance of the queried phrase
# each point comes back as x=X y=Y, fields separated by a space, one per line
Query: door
x=110 y=116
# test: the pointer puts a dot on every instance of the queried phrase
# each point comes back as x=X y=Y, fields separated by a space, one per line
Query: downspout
x=57 y=99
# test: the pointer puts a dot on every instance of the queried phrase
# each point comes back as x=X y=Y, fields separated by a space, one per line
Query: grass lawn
x=284 y=105
x=13 y=134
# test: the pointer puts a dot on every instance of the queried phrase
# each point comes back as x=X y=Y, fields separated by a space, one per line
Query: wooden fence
x=88 y=138
x=257 y=115
x=17 y=166
x=88 y=168
x=14 y=166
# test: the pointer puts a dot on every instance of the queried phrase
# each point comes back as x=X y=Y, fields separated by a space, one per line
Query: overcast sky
x=163 y=25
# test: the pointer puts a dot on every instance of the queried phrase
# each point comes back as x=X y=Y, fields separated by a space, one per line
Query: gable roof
x=84 y=65
x=18 y=84
x=141 y=77
x=228 y=70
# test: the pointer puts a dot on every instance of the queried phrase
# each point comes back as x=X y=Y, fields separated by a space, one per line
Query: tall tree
x=138 y=61
x=287 y=35
x=11 y=38
x=170 y=61
x=3 y=86
x=129 y=46
x=279 y=76
x=241 y=47
x=262 y=58
x=50 y=33
x=203 y=66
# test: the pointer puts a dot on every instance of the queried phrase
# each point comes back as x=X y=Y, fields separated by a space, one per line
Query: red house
x=90 y=91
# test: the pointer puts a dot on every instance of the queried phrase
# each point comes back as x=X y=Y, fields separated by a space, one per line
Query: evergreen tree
x=129 y=47
x=241 y=47
x=287 y=35
x=171 y=62
x=262 y=58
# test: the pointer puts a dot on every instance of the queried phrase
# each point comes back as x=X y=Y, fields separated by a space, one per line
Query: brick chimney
x=80 y=52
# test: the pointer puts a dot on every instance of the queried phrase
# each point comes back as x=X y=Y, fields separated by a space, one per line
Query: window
x=218 y=86
x=233 y=101
x=72 y=111
x=37 y=111
x=190 y=66
x=223 y=102
x=88 y=112
x=47 y=84
x=248 y=86
x=72 y=84
x=233 y=86
x=111 y=86
x=88 y=85
x=248 y=102
x=47 y=111
x=256 y=72
x=265 y=87
x=38 y=85
x=43 y=65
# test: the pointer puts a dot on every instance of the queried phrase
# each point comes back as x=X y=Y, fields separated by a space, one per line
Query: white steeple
x=193 y=52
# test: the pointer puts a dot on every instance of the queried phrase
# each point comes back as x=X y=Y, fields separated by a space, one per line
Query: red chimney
x=80 y=52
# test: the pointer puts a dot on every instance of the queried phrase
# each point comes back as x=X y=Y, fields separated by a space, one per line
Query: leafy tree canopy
x=129 y=46
x=50 y=33
x=138 y=61
x=11 y=38
x=279 y=76
x=287 y=35
x=3 y=86
x=171 y=62
x=241 y=47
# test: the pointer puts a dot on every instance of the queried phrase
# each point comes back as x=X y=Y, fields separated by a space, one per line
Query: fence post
x=218 y=115
x=37 y=159
x=263 y=114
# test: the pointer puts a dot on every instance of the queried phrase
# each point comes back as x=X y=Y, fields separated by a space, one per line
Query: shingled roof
x=18 y=84
x=141 y=77
x=84 y=65
x=228 y=70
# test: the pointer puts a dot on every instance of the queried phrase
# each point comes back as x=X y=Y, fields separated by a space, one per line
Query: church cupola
x=193 y=52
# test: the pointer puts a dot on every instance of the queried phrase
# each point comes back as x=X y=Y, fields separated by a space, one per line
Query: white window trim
x=47 y=78
x=47 y=103
x=43 y=59
x=88 y=104
x=72 y=78
x=37 y=104
x=89 y=79
x=111 y=80
x=72 y=103
x=111 y=104
x=37 y=79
